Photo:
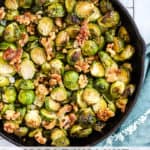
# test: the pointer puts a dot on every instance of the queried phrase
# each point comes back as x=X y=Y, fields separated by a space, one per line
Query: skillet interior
x=137 y=77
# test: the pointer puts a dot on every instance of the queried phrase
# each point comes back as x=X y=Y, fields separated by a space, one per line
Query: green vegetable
x=11 y=4
x=48 y=115
x=4 y=81
x=70 y=4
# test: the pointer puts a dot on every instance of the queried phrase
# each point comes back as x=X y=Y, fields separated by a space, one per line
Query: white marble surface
x=141 y=14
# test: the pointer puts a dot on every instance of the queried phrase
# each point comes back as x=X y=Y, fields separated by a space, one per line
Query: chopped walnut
x=110 y=50
x=83 y=81
x=41 y=90
x=39 y=138
x=47 y=44
x=10 y=127
x=105 y=114
x=27 y=18
x=31 y=29
x=2 y=13
x=14 y=57
x=55 y=79
x=82 y=66
x=112 y=74
x=90 y=59
x=75 y=107
x=58 y=22
x=11 y=115
x=23 y=39
x=83 y=34
x=49 y=125
x=63 y=110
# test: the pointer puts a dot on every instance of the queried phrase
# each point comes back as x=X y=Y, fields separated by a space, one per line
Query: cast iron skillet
x=137 y=78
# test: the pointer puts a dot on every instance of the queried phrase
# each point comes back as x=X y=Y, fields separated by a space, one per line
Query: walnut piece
x=10 y=127
x=11 y=115
x=55 y=79
x=83 y=81
x=82 y=66
x=23 y=39
x=49 y=125
x=31 y=29
x=39 y=138
x=2 y=13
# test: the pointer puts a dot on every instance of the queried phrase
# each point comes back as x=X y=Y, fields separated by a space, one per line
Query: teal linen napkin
x=135 y=131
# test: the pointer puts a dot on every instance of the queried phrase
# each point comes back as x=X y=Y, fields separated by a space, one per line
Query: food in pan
x=64 y=68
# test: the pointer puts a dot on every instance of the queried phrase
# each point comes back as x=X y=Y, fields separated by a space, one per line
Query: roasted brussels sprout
x=9 y=95
x=4 y=81
x=33 y=119
x=80 y=132
x=62 y=38
x=56 y=66
x=118 y=45
x=97 y=70
x=45 y=26
x=70 y=4
x=123 y=34
x=85 y=9
x=100 y=41
x=91 y=96
x=51 y=105
x=59 y=94
x=25 y=3
x=26 y=97
x=105 y=6
x=5 y=45
x=71 y=80
x=87 y=117
x=21 y=131
x=117 y=89
x=27 y=69
x=47 y=115
x=89 y=48
x=56 y=10
x=94 y=30
x=101 y=85
x=38 y=55
x=12 y=32
x=79 y=99
x=11 y=4
x=26 y=85
x=73 y=56
x=72 y=31
x=1 y=30
x=58 y=137
x=109 y=35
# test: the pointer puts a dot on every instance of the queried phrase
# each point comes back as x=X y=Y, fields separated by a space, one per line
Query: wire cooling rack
x=130 y=5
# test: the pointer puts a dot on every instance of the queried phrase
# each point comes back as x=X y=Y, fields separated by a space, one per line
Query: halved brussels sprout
x=124 y=75
x=21 y=131
x=33 y=119
x=12 y=32
x=97 y=69
x=45 y=26
x=62 y=38
x=5 y=45
x=56 y=66
x=105 y=6
x=56 y=10
x=2 y=29
x=27 y=69
x=38 y=55
x=73 y=56
x=118 y=45
x=126 y=54
x=73 y=30
x=109 y=20
x=94 y=30
x=100 y=105
x=11 y=4
x=46 y=67
x=101 y=85
x=4 y=81
x=25 y=3
x=117 y=89
x=89 y=48
x=34 y=132
x=109 y=35
x=47 y=115
x=100 y=41
x=80 y=132
x=123 y=34
x=59 y=137
x=59 y=94
x=32 y=44
x=9 y=95
x=91 y=96
x=26 y=97
x=40 y=3
x=87 y=117
x=71 y=80
x=87 y=10
x=26 y=84
x=79 y=99
x=7 y=107
x=51 y=105
x=70 y=4
x=99 y=126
